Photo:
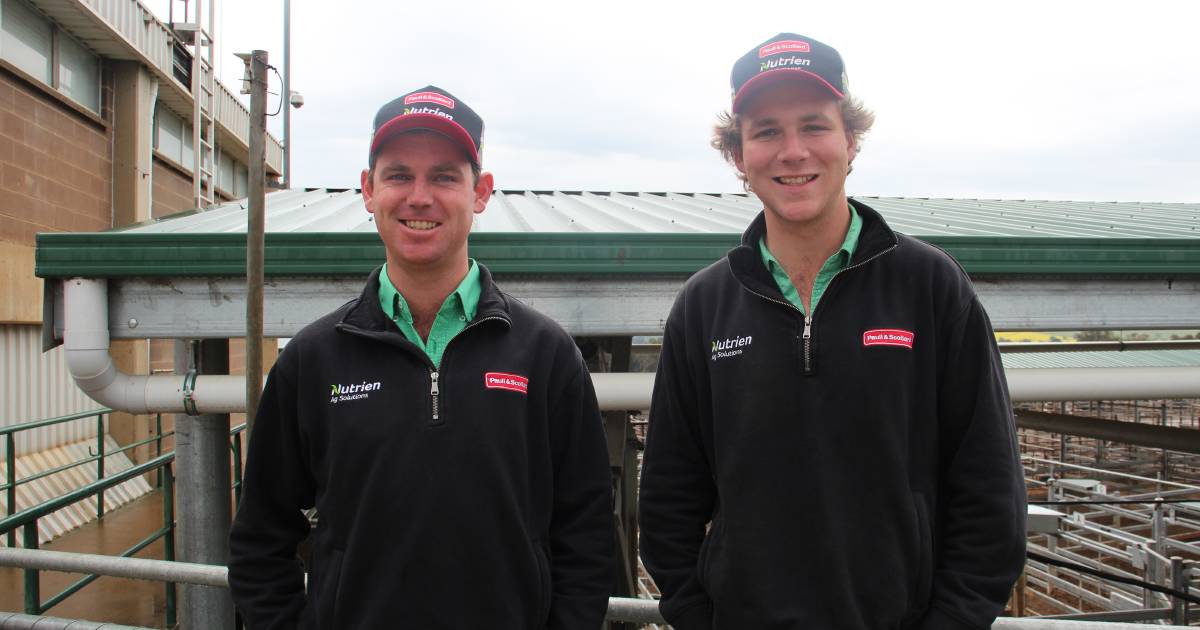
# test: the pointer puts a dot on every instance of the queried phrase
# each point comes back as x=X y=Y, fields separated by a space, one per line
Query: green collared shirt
x=834 y=264
x=458 y=309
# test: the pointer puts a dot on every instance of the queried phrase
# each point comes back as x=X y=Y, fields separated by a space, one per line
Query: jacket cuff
x=696 y=617
x=935 y=619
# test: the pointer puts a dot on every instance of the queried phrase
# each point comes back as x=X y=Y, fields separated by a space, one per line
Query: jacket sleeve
x=582 y=554
x=265 y=576
x=980 y=530
x=678 y=493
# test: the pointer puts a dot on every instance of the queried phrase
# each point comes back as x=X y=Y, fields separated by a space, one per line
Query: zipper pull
x=807 y=336
x=433 y=392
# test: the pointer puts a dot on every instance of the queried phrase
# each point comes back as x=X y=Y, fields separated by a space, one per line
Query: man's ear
x=483 y=191
x=367 y=190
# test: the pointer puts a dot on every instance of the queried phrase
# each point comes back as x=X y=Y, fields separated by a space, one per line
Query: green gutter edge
x=140 y=255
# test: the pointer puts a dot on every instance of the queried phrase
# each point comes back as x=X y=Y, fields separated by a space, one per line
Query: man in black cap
x=831 y=443
x=447 y=434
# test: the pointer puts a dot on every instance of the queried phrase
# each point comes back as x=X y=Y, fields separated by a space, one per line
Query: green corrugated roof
x=327 y=231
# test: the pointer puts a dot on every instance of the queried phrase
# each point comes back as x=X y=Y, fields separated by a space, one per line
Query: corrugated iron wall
x=34 y=386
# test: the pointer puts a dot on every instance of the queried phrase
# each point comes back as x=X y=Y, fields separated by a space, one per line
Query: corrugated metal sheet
x=34 y=386
x=1129 y=358
x=58 y=484
x=330 y=210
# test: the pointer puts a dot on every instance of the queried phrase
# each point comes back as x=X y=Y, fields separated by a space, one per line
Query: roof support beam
x=201 y=308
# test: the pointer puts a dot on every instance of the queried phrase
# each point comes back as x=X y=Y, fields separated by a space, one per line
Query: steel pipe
x=1148 y=435
x=136 y=568
x=619 y=609
x=17 y=621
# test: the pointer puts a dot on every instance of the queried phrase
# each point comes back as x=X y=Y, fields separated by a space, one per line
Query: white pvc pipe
x=85 y=337
x=86 y=342
x=632 y=391
x=1122 y=383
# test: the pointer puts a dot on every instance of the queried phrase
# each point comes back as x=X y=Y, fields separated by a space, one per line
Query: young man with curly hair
x=831 y=443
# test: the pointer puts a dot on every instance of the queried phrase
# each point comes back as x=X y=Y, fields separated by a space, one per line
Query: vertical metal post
x=10 y=474
x=158 y=446
x=254 y=233
x=169 y=539
x=1179 y=582
x=286 y=93
x=33 y=592
x=100 y=463
x=203 y=485
x=237 y=469
x=1163 y=422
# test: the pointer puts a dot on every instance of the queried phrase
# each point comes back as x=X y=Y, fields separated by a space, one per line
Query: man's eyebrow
x=763 y=122
x=445 y=166
x=396 y=168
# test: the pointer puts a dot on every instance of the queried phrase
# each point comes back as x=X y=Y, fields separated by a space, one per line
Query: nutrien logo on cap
x=429 y=97
x=502 y=380
x=888 y=337
x=791 y=45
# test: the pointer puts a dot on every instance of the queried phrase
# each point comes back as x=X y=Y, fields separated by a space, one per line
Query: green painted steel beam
x=148 y=255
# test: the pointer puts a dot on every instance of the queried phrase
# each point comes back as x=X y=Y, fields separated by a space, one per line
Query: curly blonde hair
x=727 y=133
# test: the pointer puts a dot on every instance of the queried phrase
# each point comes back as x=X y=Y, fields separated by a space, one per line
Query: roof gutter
x=86 y=342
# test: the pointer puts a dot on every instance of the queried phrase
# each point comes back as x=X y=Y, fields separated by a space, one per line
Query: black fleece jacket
x=474 y=495
x=859 y=468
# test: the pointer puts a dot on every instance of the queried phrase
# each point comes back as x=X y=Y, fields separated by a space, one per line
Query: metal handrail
x=28 y=519
x=28 y=515
x=87 y=460
x=45 y=422
x=620 y=609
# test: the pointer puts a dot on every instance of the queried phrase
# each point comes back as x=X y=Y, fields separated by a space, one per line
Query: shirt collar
x=843 y=254
x=464 y=300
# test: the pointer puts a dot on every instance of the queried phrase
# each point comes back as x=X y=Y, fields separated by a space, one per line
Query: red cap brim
x=433 y=122
x=772 y=77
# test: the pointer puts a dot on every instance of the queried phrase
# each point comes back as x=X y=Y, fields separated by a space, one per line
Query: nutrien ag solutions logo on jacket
x=344 y=393
x=730 y=347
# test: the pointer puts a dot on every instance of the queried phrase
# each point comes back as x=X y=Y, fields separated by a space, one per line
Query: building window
x=78 y=73
x=37 y=47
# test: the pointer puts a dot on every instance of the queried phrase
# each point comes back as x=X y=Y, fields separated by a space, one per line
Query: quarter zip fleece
x=881 y=490
x=443 y=502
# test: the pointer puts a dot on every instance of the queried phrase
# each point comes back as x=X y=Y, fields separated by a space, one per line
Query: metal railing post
x=158 y=447
x=100 y=463
x=237 y=469
x=10 y=460
x=1179 y=582
x=169 y=539
x=33 y=593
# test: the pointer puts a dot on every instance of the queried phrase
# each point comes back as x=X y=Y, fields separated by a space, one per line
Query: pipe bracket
x=189 y=390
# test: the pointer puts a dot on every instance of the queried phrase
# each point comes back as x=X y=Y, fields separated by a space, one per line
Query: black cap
x=787 y=57
x=429 y=108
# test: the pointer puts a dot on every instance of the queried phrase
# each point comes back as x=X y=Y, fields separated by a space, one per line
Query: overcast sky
x=1050 y=99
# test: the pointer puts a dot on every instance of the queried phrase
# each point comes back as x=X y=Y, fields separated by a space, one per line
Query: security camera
x=296 y=99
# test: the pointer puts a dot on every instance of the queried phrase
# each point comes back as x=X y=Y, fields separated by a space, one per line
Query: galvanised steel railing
x=620 y=609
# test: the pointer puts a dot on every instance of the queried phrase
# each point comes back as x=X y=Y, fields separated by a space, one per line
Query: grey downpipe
x=86 y=343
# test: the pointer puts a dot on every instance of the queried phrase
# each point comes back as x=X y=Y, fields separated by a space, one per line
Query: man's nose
x=421 y=194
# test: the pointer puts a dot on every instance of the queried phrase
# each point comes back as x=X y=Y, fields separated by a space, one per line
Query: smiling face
x=796 y=153
x=424 y=197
